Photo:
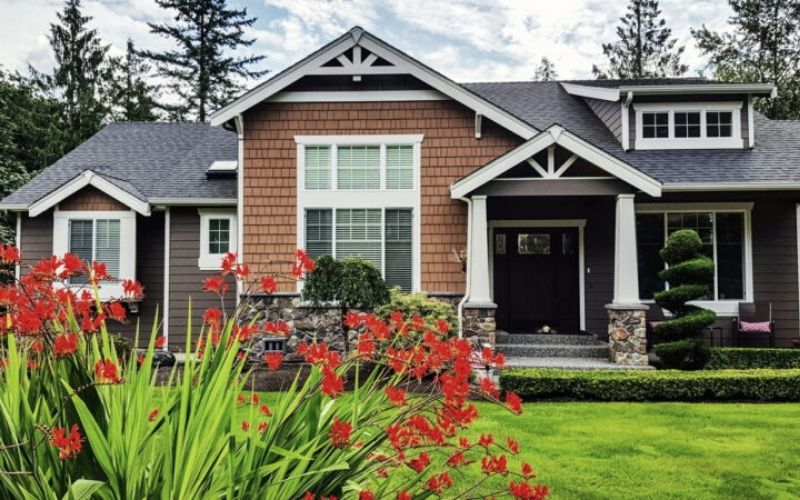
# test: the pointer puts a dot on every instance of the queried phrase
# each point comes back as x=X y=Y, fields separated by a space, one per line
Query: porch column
x=627 y=341
x=479 y=311
x=480 y=293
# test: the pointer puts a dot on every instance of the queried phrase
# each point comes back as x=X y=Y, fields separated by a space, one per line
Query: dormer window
x=715 y=125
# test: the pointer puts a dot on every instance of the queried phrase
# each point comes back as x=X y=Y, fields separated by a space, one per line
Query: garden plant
x=79 y=421
x=688 y=273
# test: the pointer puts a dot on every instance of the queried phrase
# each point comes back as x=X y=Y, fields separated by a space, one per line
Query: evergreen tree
x=546 y=72
x=764 y=47
x=81 y=73
x=133 y=98
x=202 y=76
x=645 y=48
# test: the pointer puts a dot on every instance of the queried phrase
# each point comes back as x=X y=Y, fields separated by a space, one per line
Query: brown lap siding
x=449 y=152
x=186 y=278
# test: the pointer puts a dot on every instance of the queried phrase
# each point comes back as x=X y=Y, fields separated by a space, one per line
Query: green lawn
x=658 y=450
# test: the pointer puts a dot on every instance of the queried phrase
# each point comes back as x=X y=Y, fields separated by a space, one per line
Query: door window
x=533 y=244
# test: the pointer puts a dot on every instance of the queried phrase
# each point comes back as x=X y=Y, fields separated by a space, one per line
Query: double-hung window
x=725 y=233
x=94 y=236
x=688 y=125
x=360 y=196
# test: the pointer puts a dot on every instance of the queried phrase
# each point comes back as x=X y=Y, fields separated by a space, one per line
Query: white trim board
x=356 y=39
x=87 y=178
x=571 y=142
x=547 y=223
x=167 y=267
x=359 y=96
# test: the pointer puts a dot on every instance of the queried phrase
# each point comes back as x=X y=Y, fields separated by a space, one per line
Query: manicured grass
x=657 y=450
x=650 y=450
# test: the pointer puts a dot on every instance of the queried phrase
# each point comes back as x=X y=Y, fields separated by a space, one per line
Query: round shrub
x=682 y=245
x=321 y=285
x=352 y=283
x=698 y=268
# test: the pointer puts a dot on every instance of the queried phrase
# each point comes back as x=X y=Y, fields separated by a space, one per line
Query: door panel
x=536 y=278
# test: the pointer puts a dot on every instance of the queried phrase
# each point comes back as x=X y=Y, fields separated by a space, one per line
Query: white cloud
x=465 y=39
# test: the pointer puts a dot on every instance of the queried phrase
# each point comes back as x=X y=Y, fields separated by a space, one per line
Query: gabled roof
x=152 y=162
x=357 y=39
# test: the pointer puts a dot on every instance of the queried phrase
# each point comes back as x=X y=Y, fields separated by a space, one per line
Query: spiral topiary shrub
x=688 y=275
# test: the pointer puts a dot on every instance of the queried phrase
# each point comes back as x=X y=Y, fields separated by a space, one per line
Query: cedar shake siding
x=449 y=152
x=599 y=213
x=186 y=278
x=91 y=199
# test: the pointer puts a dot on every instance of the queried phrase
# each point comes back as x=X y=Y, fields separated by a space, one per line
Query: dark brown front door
x=536 y=279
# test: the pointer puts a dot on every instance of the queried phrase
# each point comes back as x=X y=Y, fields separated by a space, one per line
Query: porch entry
x=536 y=279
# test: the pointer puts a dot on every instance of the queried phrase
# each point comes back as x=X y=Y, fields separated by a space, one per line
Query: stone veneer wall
x=627 y=340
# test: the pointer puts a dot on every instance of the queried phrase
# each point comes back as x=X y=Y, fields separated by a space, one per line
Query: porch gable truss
x=552 y=169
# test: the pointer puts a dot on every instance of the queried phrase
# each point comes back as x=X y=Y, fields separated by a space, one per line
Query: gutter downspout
x=239 y=123
x=464 y=299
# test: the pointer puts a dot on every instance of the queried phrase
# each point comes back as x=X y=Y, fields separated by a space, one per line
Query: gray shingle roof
x=147 y=160
x=775 y=157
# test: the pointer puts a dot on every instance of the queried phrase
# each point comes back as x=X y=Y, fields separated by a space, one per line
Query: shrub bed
x=745 y=359
x=664 y=385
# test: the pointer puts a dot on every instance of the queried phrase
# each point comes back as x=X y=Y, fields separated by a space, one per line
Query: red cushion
x=754 y=326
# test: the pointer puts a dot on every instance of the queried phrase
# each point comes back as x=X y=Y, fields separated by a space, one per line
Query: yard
x=657 y=450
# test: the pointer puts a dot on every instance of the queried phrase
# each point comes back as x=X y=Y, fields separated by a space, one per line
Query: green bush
x=663 y=385
x=352 y=282
x=745 y=359
x=418 y=304
x=687 y=354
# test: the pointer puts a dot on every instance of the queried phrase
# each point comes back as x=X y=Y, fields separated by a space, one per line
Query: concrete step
x=569 y=364
x=542 y=338
x=599 y=350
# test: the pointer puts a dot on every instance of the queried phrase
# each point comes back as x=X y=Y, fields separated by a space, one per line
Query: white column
x=626 y=273
x=480 y=292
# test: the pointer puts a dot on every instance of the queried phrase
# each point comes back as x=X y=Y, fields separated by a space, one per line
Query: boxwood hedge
x=662 y=385
x=747 y=358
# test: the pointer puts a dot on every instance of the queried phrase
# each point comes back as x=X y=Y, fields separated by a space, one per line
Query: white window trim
x=702 y=142
x=369 y=198
x=726 y=308
x=208 y=261
x=127 y=244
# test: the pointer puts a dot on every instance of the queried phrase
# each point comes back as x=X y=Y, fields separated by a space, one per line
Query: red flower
x=255 y=400
x=489 y=388
x=262 y=427
x=215 y=284
x=65 y=345
x=9 y=254
x=242 y=272
x=404 y=495
x=132 y=289
x=277 y=327
x=245 y=425
x=420 y=463
x=513 y=402
x=105 y=372
x=116 y=311
x=439 y=483
x=228 y=263
x=442 y=326
x=366 y=495
x=496 y=464
x=264 y=410
x=340 y=433
x=240 y=400
x=500 y=360
x=353 y=319
x=72 y=265
x=160 y=342
x=268 y=284
x=99 y=271
x=524 y=491
x=527 y=470
x=332 y=383
x=37 y=346
x=396 y=395
x=273 y=360
x=153 y=414
x=486 y=440
x=212 y=315
x=68 y=445
x=513 y=445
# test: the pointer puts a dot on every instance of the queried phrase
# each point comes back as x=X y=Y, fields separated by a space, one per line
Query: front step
x=599 y=350
x=545 y=338
x=570 y=364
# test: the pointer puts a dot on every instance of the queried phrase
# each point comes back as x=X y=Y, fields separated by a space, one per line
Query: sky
x=467 y=40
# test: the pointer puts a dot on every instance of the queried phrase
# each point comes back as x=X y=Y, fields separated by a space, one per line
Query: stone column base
x=627 y=340
x=479 y=323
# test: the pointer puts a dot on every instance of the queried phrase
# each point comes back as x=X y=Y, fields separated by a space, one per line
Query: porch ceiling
x=552 y=172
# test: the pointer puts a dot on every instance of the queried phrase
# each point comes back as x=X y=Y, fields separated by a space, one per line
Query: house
x=560 y=194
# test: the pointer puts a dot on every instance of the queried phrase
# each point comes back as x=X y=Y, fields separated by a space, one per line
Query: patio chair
x=754 y=322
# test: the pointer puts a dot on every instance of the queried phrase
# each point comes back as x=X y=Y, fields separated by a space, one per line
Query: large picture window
x=724 y=237
x=381 y=236
x=95 y=240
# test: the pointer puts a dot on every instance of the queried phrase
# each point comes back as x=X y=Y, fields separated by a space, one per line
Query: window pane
x=399 y=167
x=703 y=223
x=80 y=244
x=687 y=124
x=398 y=249
x=358 y=167
x=655 y=125
x=649 y=240
x=730 y=255
x=219 y=236
x=107 y=241
x=318 y=167
x=319 y=230
x=358 y=233
x=719 y=124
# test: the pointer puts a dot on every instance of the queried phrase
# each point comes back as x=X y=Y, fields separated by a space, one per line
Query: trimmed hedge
x=747 y=358
x=661 y=385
